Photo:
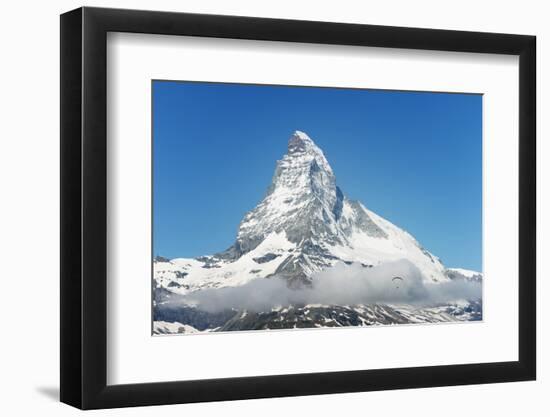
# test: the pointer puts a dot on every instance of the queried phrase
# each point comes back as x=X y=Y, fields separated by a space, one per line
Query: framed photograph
x=257 y=208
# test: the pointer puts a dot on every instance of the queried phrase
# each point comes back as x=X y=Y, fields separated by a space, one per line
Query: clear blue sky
x=413 y=158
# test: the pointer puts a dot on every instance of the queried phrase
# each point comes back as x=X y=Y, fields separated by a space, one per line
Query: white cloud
x=340 y=285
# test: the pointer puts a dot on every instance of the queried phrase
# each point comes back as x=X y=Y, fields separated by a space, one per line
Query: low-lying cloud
x=340 y=285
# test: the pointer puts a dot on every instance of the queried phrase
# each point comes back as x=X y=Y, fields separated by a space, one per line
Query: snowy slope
x=465 y=274
x=183 y=275
x=164 y=327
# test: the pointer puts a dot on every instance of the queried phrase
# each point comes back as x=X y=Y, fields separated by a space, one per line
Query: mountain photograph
x=308 y=255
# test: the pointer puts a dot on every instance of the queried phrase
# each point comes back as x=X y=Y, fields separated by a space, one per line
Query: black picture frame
x=84 y=207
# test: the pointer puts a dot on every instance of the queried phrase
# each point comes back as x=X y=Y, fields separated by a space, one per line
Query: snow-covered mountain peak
x=303 y=171
x=301 y=142
x=303 y=200
x=302 y=147
x=303 y=225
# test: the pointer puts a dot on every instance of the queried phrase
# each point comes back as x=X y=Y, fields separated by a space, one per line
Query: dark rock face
x=200 y=320
x=292 y=270
x=330 y=316
x=161 y=259
x=471 y=312
x=266 y=258
x=209 y=261
x=300 y=317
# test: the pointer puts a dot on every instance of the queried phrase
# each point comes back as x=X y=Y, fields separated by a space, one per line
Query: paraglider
x=396 y=281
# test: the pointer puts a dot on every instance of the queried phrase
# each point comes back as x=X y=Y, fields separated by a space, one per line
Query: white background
x=29 y=210
x=133 y=60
